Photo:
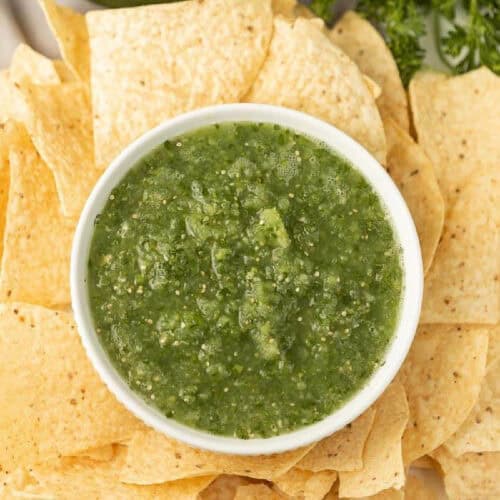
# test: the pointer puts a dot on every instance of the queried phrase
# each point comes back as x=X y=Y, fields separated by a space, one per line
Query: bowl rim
x=404 y=229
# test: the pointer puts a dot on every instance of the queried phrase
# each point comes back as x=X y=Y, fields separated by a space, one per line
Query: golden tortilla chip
x=53 y=402
x=4 y=181
x=414 y=175
x=472 y=476
x=366 y=47
x=154 y=458
x=462 y=286
x=291 y=9
x=28 y=64
x=382 y=459
x=456 y=120
x=389 y=494
x=70 y=478
x=37 y=238
x=343 y=450
x=155 y=62
x=65 y=74
x=442 y=376
x=305 y=71
x=306 y=485
x=416 y=489
x=424 y=462
x=71 y=33
x=60 y=124
x=257 y=492
x=481 y=429
x=100 y=454
x=224 y=487
x=5 y=96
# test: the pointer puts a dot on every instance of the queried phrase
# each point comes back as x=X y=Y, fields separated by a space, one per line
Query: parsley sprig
x=465 y=45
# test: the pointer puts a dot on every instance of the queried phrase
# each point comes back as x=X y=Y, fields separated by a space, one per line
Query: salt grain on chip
x=306 y=72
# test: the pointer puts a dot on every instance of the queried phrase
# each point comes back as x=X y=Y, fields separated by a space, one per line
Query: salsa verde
x=244 y=279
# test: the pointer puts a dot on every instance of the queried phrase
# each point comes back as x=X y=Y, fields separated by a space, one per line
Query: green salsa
x=244 y=279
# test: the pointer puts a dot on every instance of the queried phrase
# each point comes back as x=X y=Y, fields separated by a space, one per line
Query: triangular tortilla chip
x=28 y=64
x=462 y=285
x=305 y=71
x=382 y=459
x=60 y=124
x=71 y=33
x=343 y=450
x=456 y=120
x=53 y=402
x=442 y=376
x=306 y=485
x=366 y=47
x=155 y=62
x=70 y=478
x=473 y=476
x=414 y=175
x=37 y=238
x=155 y=458
x=481 y=429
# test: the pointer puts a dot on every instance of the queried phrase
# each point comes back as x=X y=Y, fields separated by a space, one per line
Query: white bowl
x=404 y=227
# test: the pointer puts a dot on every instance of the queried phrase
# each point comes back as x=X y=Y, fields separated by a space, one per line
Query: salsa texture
x=244 y=279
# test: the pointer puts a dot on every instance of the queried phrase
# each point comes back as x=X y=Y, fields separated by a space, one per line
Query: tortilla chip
x=382 y=459
x=53 y=402
x=60 y=123
x=69 y=478
x=481 y=429
x=71 y=33
x=305 y=71
x=37 y=238
x=456 y=120
x=366 y=47
x=4 y=180
x=65 y=74
x=343 y=450
x=154 y=458
x=257 y=492
x=414 y=175
x=442 y=376
x=462 y=286
x=291 y=9
x=306 y=485
x=28 y=64
x=416 y=489
x=471 y=476
x=373 y=87
x=155 y=62
x=389 y=494
x=424 y=462
x=99 y=454
x=5 y=96
x=224 y=487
